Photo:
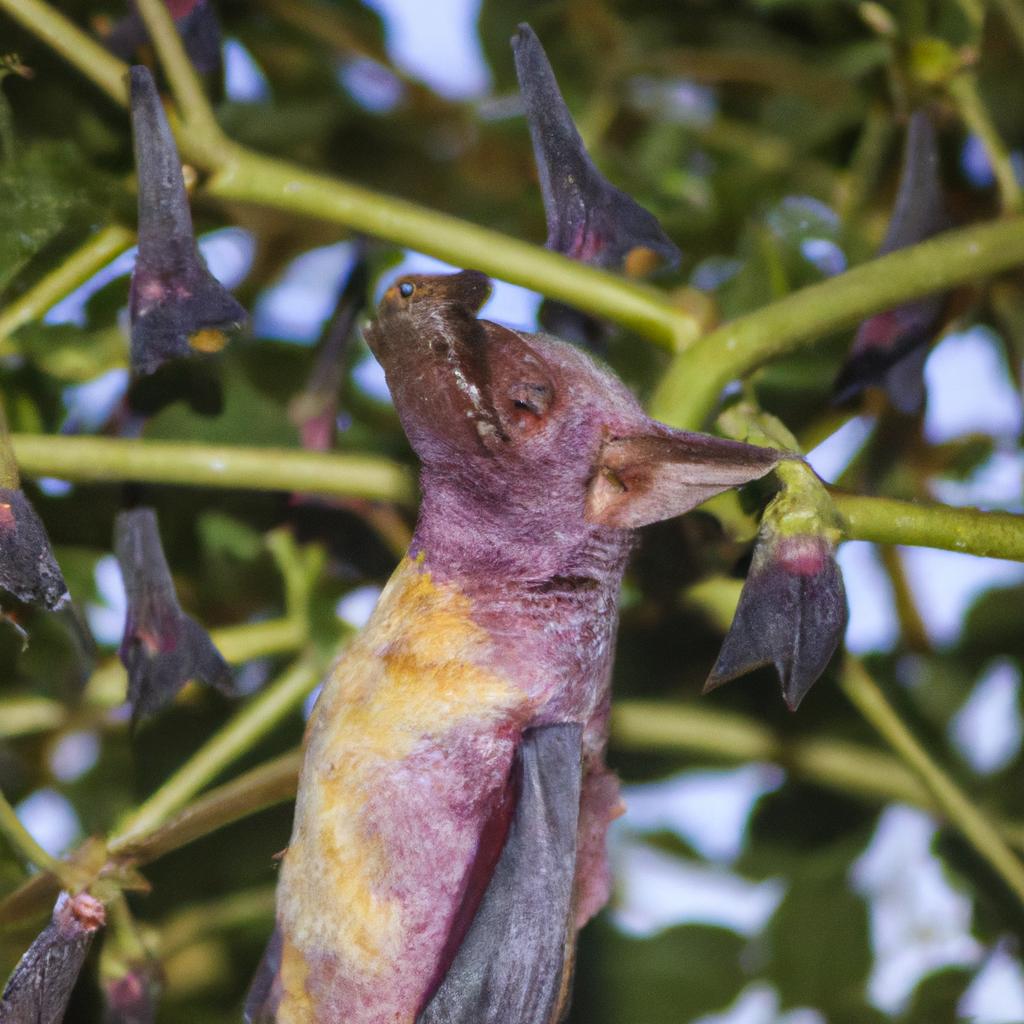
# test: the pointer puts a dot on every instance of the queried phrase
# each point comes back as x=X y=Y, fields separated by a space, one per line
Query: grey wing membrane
x=513 y=964
x=264 y=992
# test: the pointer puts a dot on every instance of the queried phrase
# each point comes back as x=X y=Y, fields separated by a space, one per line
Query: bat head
x=528 y=445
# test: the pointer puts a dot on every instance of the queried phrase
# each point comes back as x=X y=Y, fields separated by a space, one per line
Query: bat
x=449 y=832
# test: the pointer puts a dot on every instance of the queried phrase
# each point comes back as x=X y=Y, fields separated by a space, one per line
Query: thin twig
x=957 y=806
x=107 y=244
x=254 y=721
x=193 y=106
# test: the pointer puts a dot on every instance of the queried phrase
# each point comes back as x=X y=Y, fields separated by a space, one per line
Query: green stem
x=104 y=460
x=27 y=715
x=836 y=764
x=78 y=48
x=251 y=792
x=890 y=521
x=964 y=90
x=690 y=388
x=189 y=925
x=262 y=181
x=24 y=844
x=253 y=722
x=106 y=245
x=197 y=116
x=241 y=175
x=956 y=805
x=1013 y=14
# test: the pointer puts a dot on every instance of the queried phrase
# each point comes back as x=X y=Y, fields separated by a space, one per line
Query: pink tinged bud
x=791 y=614
x=589 y=219
x=197 y=24
x=132 y=997
x=28 y=569
x=40 y=987
x=163 y=648
x=889 y=349
x=177 y=306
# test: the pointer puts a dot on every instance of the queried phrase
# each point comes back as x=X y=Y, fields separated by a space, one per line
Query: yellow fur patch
x=415 y=672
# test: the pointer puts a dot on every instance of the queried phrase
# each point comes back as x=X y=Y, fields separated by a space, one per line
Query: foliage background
x=751 y=129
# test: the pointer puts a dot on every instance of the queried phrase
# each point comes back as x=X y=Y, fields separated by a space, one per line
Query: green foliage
x=751 y=130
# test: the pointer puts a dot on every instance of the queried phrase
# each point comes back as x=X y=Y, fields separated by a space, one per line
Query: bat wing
x=515 y=960
x=264 y=992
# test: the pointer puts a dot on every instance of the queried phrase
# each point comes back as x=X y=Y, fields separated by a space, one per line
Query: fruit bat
x=449 y=833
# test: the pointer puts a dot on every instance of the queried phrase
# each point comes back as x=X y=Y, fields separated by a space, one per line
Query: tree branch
x=194 y=108
x=254 y=721
x=104 y=246
x=24 y=844
x=890 y=521
x=690 y=388
x=104 y=459
x=964 y=91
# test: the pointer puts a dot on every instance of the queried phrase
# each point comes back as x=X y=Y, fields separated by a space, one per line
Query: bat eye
x=406 y=288
x=531 y=402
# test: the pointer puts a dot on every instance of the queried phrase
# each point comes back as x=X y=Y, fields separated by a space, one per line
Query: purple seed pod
x=40 y=987
x=197 y=23
x=177 y=306
x=163 y=648
x=890 y=347
x=791 y=613
x=589 y=219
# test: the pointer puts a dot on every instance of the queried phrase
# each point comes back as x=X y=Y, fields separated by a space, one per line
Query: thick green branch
x=690 y=388
x=889 y=521
x=240 y=175
x=102 y=459
x=250 y=178
x=96 y=253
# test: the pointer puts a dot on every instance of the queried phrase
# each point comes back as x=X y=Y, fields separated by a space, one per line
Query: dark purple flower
x=40 y=987
x=177 y=306
x=890 y=348
x=28 y=569
x=315 y=410
x=163 y=648
x=791 y=613
x=197 y=23
x=588 y=218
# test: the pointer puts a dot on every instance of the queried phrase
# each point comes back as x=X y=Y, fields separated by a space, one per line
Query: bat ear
x=649 y=477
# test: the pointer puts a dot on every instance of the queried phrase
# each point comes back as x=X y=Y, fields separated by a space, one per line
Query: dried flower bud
x=791 y=613
x=163 y=648
x=889 y=349
x=588 y=218
x=177 y=306
x=197 y=24
x=315 y=410
x=40 y=987
x=27 y=566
